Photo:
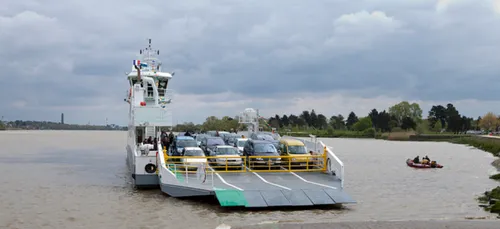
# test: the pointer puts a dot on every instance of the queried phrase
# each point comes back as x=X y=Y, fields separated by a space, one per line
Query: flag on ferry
x=137 y=62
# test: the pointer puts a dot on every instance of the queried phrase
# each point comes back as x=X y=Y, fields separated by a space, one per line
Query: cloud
x=277 y=56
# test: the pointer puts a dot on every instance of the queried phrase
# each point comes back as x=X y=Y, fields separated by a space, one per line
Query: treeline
x=44 y=125
x=211 y=123
x=401 y=116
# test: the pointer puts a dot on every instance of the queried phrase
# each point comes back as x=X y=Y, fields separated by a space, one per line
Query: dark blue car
x=260 y=148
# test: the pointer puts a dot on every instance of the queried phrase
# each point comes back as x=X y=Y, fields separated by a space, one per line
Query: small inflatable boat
x=410 y=163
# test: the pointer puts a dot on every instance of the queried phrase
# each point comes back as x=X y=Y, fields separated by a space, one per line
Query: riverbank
x=491 y=200
x=370 y=133
x=472 y=224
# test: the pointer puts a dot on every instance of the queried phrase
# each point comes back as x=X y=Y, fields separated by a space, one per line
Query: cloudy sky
x=280 y=56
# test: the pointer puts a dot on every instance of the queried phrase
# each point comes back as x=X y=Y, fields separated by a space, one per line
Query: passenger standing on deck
x=171 y=138
x=164 y=141
x=155 y=144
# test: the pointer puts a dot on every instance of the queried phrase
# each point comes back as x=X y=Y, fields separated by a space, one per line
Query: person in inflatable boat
x=426 y=160
x=416 y=160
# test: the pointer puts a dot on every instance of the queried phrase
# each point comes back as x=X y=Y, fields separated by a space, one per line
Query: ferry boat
x=317 y=180
x=249 y=185
x=149 y=113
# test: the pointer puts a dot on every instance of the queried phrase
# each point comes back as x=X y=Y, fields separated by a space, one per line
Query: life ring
x=150 y=168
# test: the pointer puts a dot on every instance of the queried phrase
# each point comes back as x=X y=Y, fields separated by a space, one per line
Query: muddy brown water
x=78 y=179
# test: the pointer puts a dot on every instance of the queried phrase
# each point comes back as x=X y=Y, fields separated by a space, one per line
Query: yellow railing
x=309 y=163
x=235 y=164
x=216 y=164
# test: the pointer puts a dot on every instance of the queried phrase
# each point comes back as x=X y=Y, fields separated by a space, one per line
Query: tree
x=437 y=113
x=306 y=117
x=351 y=119
x=405 y=109
x=453 y=119
x=374 y=117
x=284 y=120
x=478 y=127
x=467 y=123
x=363 y=124
x=337 y=122
x=437 y=127
x=321 y=122
x=383 y=121
x=313 y=119
x=488 y=121
x=423 y=126
x=408 y=123
x=273 y=122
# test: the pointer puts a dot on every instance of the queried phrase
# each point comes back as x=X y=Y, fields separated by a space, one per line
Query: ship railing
x=183 y=174
x=333 y=165
x=232 y=164
x=193 y=173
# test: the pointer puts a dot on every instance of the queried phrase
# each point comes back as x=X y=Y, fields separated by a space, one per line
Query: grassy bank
x=490 y=145
x=491 y=200
x=333 y=133
x=495 y=177
x=371 y=133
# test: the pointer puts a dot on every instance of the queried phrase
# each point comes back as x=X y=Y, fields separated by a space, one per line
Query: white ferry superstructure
x=149 y=113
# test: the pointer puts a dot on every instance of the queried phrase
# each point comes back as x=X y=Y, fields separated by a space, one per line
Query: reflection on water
x=70 y=179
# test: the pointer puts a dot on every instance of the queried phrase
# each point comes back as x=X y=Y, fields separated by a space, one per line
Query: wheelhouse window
x=162 y=87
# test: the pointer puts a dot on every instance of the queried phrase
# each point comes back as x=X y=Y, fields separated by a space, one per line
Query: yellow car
x=295 y=151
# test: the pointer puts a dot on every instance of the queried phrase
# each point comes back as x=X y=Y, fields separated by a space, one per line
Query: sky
x=280 y=56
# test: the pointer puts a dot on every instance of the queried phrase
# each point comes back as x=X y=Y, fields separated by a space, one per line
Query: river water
x=78 y=179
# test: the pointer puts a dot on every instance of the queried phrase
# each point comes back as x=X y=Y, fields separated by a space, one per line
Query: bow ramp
x=313 y=180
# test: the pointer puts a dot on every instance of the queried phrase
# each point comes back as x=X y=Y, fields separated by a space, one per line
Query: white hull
x=149 y=101
x=137 y=166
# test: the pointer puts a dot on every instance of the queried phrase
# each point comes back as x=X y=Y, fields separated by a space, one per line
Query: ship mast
x=148 y=56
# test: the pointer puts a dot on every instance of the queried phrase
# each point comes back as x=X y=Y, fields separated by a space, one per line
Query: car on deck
x=225 y=155
x=240 y=143
x=180 y=142
x=256 y=152
x=265 y=137
x=209 y=143
x=295 y=153
x=193 y=158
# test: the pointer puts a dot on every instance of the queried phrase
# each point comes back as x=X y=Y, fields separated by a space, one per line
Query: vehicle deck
x=258 y=189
